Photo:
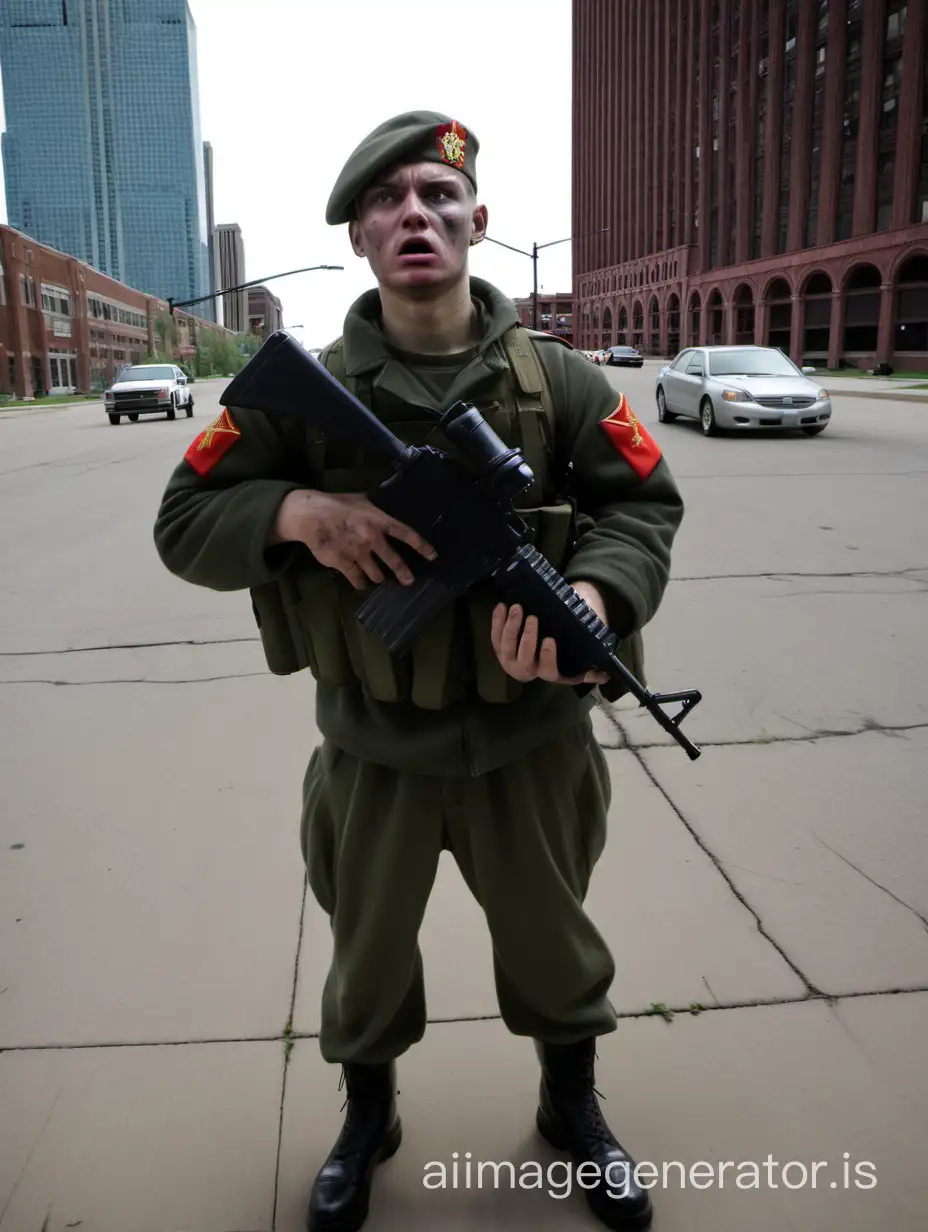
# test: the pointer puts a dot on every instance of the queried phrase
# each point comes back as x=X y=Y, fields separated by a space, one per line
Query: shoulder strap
x=332 y=357
x=527 y=368
x=534 y=392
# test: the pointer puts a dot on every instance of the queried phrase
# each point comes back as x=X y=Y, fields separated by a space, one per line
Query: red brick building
x=555 y=313
x=265 y=312
x=762 y=167
x=67 y=328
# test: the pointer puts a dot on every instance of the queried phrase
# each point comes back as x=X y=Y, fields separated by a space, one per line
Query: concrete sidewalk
x=161 y=964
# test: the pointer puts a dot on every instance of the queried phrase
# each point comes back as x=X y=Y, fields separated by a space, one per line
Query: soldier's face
x=415 y=226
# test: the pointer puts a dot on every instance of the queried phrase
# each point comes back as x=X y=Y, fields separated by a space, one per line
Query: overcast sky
x=289 y=87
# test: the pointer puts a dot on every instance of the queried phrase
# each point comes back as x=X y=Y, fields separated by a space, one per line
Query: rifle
x=463 y=506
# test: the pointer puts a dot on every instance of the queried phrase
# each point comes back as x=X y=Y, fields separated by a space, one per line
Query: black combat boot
x=570 y=1119
x=371 y=1133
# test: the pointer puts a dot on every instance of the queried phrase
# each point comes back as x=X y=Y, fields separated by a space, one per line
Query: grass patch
x=865 y=375
x=54 y=400
x=659 y=1010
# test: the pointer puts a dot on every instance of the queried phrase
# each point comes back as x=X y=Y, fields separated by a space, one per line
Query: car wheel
x=816 y=430
x=707 y=418
x=663 y=414
x=134 y=418
x=190 y=409
x=114 y=419
x=173 y=411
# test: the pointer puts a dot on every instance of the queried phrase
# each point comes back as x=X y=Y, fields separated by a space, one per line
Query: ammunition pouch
x=307 y=620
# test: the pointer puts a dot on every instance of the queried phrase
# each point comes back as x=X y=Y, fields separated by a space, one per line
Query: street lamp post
x=254 y=282
x=536 y=248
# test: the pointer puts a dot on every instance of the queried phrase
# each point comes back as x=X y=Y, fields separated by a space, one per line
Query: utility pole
x=536 y=248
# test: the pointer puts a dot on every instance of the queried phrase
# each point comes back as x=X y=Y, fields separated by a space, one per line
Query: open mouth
x=416 y=248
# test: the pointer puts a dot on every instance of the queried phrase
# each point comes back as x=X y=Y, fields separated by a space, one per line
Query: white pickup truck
x=148 y=389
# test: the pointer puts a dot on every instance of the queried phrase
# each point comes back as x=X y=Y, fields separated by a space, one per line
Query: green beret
x=415 y=136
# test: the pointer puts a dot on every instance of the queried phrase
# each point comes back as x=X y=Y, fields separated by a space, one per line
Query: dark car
x=624 y=357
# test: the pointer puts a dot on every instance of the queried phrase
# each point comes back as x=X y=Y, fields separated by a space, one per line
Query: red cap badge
x=452 y=143
x=633 y=442
x=212 y=444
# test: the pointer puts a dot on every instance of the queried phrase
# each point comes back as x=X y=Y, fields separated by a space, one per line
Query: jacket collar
x=364 y=347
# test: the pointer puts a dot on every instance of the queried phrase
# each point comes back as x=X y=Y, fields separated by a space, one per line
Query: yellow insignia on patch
x=452 y=143
x=212 y=443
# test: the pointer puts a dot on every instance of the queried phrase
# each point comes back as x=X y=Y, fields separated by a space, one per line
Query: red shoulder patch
x=632 y=440
x=212 y=444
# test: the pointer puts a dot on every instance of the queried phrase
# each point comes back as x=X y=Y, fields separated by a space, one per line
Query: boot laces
x=363 y=1125
x=592 y=1122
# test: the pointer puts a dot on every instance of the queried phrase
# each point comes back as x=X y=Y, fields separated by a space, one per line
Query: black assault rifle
x=462 y=506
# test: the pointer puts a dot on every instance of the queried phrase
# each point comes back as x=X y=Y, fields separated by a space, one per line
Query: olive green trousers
x=525 y=837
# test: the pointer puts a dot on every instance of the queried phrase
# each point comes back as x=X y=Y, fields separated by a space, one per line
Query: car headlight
x=736 y=395
x=822 y=396
x=109 y=396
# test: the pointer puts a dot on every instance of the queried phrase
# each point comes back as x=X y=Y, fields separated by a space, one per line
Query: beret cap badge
x=452 y=143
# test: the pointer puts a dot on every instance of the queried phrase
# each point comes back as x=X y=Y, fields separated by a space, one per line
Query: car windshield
x=147 y=374
x=750 y=363
x=625 y=350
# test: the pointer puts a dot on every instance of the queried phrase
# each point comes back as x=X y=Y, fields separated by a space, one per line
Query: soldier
x=475 y=742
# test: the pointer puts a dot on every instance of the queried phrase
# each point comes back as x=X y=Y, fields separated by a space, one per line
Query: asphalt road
x=151 y=889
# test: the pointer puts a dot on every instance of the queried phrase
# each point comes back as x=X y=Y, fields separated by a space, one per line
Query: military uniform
x=441 y=750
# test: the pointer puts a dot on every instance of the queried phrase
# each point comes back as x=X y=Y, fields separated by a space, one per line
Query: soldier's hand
x=515 y=640
x=345 y=531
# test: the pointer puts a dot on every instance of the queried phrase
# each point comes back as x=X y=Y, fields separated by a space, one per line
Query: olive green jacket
x=212 y=530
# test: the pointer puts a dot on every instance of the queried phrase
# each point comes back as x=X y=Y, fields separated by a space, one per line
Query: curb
x=14 y=412
x=878 y=395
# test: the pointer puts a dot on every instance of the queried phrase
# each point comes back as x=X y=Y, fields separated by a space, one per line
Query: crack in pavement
x=22 y=1171
x=77 y=684
x=62 y=463
x=210 y=641
x=866 y=876
x=889 y=729
x=717 y=863
x=288 y=1036
x=817 y=475
x=788 y=574
x=830 y=998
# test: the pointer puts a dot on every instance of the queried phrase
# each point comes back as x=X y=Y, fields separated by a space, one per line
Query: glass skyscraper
x=103 y=157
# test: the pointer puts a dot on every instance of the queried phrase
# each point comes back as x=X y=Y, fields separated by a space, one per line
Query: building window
x=697 y=120
x=786 y=144
x=889 y=114
x=818 y=124
x=851 y=119
x=921 y=212
x=56 y=300
x=713 y=164
x=733 y=85
x=763 y=68
x=2 y=284
x=27 y=291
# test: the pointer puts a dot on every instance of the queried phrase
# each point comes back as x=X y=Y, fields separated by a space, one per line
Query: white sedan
x=147 y=389
x=746 y=388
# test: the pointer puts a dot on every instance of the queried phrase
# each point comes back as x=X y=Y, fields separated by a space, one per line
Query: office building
x=762 y=169
x=102 y=153
x=554 y=313
x=213 y=255
x=265 y=313
x=231 y=272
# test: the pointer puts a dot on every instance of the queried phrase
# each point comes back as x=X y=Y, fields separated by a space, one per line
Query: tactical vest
x=307 y=619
